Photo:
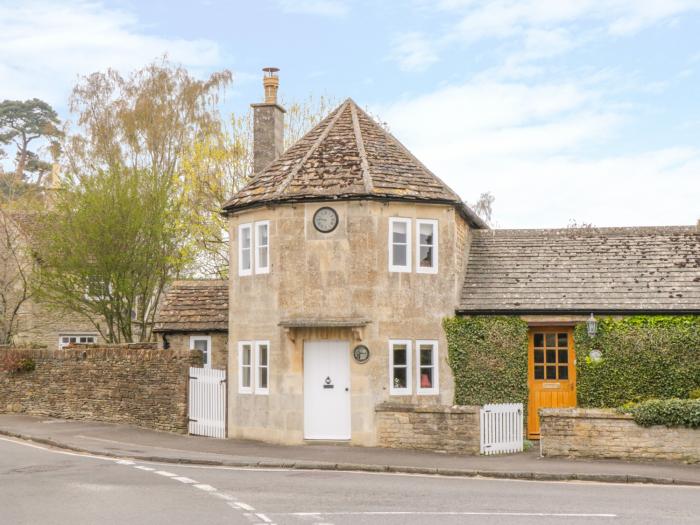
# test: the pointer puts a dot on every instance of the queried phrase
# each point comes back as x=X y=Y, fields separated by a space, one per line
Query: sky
x=565 y=110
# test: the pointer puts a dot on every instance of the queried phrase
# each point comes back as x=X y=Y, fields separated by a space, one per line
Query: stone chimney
x=268 y=124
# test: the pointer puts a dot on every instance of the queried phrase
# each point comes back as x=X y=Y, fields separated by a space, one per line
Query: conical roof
x=345 y=156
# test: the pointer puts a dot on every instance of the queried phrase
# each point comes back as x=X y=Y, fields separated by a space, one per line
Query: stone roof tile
x=194 y=306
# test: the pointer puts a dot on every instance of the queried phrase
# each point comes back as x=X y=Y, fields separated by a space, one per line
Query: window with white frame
x=426 y=367
x=262 y=247
x=76 y=339
x=203 y=344
x=399 y=244
x=426 y=246
x=245 y=249
x=245 y=367
x=399 y=367
x=262 y=367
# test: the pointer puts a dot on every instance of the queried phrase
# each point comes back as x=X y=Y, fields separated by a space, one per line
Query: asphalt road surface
x=41 y=485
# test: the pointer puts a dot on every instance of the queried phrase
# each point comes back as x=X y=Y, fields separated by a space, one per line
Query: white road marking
x=223 y=496
x=205 y=487
x=183 y=479
x=244 y=506
x=454 y=513
x=264 y=518
x=165 y=473
x=141 y=467
x=124 y=462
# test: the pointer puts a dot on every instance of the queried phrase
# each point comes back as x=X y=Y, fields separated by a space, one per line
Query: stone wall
x=598 y=433
x=137 y=385
x=446 y=429
x=180 y=342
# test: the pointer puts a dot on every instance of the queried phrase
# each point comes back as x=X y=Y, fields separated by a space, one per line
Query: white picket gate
x=502 y=428
x=207 y=402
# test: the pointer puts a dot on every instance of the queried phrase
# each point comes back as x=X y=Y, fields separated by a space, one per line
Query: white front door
x=326 y=390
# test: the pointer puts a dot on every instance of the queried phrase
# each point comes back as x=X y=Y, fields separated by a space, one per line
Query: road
x=42 y=485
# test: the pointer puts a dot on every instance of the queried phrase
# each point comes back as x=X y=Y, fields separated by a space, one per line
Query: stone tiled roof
x=347 y=155
x=596 y=269
x=194 y=306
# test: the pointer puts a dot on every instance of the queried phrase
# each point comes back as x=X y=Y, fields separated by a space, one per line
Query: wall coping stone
x=426 y=409
x=588 y=413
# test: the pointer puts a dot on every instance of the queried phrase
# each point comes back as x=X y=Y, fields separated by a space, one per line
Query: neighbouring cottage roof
x=347 y=156
x=654 y=269
x=194 y=306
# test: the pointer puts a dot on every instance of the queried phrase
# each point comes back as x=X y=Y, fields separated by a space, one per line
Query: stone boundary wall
x=133 y=384
x=440 y=428
x=599 y=433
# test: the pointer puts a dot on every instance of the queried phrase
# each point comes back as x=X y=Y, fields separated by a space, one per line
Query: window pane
x=426 y=378
x=564 y=372
x=563 y=339
x=399 y=254
x=246 y=356
x=539 y=356
x=426 y=256
x=245 y=380
x=262 y=234
x=551 y=356
x=263 y=355
x=563 y=356
x=200 y=344
x=399 y=355
x=551 y=372
x=426 y=234
x=263 y=377
x=399 y=379
x=539 y=372
x=539 y=340
x=262 y=256
x=551 y=340
x=398 y=233
x=245 y=238
x=426 y=355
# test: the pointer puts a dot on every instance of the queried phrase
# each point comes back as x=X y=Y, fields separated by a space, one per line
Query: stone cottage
x=193 y=315
x=346 y=255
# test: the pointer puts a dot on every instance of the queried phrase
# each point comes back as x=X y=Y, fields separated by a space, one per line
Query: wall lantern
x=592 y=326
x=595 y=355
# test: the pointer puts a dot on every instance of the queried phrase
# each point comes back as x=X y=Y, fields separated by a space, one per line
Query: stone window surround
x=407 y=268
x=254 y=366
x=208 y=356
x=411 y=363
x=253 y=229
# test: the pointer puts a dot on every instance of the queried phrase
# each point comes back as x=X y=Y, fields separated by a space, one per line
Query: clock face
x=325 y=219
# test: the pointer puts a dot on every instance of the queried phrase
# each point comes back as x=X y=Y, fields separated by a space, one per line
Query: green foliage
x=694 y=393
x=109 y=248
x=15 y=362
x=488 y=356
x=668 y=412
x=644 y=357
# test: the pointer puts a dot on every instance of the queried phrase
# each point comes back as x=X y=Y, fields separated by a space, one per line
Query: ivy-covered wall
x=488 y=357
x=643 y=357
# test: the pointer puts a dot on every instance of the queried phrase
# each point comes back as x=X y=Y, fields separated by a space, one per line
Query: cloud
x=543 y=150
x=44 y=47
x=331 y=8
x=413 y=51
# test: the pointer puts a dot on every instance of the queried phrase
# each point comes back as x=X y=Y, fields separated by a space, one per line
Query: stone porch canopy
x=347 y=156
x=194 y=306
x=583 y=270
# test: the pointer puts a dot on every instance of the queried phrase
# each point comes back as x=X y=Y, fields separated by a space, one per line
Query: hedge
x=643 y=357
x=488 y=357
x=668 y=412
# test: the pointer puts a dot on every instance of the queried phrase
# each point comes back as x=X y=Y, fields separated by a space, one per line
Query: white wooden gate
x=207 y=402
x=502 y=428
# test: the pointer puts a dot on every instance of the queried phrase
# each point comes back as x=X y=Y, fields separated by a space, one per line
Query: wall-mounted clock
x=325 y=219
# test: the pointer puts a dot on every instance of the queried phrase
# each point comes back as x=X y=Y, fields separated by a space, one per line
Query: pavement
x=124 y=441
x=43 y=484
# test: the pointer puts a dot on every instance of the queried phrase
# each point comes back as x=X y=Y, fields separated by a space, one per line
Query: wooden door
x=551 y=373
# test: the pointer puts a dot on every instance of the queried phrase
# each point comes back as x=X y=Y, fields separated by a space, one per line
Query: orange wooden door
x=551 y=373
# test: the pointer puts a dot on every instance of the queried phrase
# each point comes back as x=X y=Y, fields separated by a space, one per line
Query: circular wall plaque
x=361 y=353
x=325 y=219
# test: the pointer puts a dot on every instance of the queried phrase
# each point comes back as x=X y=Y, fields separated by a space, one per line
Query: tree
x=22 y=123
x=16 y=269
x=119 y=232
x=484 y=207
x=220 y=163
x=108 y=249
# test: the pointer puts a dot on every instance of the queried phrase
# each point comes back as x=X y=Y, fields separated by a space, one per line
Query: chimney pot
x=271 y=82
